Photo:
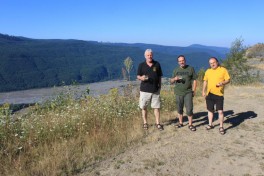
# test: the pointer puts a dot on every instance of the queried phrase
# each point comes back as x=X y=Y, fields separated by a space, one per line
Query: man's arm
x=159 y=82
x=204 y=88
x=173 y=80
x=194 y=85
x=225 y=82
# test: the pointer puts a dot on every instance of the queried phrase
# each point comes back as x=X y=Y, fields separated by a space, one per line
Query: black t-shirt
x=154 y=73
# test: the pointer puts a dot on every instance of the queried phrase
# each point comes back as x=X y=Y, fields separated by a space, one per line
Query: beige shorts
x=145 y=98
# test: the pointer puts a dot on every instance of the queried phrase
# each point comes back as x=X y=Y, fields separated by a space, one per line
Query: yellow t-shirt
x=213 y=77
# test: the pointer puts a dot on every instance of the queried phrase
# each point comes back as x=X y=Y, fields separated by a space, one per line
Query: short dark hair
x=181 y=56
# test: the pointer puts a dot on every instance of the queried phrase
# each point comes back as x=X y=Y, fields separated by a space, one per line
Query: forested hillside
x=33 y=63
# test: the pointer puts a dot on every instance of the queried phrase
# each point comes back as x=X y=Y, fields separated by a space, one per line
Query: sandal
x=180 y=125
x=209 y=127
x=159 y=126
x=192 y=128
x=222 y=130
x=145 y=126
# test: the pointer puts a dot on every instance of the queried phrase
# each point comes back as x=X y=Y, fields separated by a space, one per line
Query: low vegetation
x=237 y=64
x=65 y=135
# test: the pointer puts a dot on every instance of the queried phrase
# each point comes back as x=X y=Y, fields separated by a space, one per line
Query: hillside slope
x=35 y=63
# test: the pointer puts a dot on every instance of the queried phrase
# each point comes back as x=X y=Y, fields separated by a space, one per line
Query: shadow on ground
x=201 y=118
x=237 y=119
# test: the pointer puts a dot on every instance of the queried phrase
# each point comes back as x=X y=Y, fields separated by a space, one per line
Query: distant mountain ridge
x=33 y=63
x=215 y=48
x=177 y=50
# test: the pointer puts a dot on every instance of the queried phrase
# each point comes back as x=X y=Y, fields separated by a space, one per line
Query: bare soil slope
x=183 y=152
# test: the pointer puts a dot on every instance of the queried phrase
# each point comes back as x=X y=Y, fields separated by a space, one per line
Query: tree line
x=34 y=63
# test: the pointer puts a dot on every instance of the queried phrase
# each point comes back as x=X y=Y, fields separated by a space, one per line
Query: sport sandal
x=222 y=130
x=145 y=126
x=159 y=126
x=209 y=127
x=192 y=128
x=180 y=125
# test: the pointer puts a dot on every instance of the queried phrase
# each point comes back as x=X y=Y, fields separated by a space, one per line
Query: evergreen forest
x=27 y=63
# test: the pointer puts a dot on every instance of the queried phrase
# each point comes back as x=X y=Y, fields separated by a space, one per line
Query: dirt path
x=182 y=152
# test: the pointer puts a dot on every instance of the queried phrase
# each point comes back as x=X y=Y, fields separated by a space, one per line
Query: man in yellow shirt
x=215 y=79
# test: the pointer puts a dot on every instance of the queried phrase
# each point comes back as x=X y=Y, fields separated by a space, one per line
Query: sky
x=163 y=22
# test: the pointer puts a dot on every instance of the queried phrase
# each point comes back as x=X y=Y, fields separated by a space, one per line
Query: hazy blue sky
x=165 y=22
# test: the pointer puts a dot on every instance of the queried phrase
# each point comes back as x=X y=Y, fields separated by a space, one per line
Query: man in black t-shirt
x=149 y=72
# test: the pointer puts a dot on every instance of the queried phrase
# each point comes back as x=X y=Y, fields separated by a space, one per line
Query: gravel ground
x=179 y=151
x=40 y=95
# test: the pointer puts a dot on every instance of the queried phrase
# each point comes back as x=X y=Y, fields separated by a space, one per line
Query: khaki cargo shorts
x=145 y=98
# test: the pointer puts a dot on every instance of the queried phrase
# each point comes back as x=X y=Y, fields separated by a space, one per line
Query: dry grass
x=259 y=66
x=254 y=90
x=153 y=163
x=65 y=135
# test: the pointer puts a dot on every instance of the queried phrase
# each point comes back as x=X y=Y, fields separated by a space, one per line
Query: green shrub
x=236 y=64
